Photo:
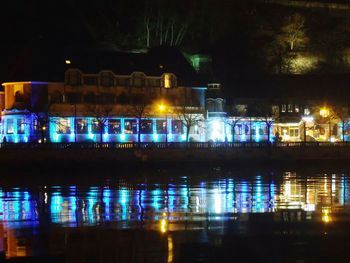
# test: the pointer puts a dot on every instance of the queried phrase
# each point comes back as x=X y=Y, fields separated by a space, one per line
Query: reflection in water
x=171 y=205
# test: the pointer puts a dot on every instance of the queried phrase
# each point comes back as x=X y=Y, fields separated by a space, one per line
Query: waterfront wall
x=57 y=159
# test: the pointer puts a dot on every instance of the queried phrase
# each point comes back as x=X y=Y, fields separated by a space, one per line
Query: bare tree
x=41 y=119
x=266 y=112
x=237 y=116
x=189 y=117
x=342 y=114
x=139 y=109
x=293 y=32
x=101 y=114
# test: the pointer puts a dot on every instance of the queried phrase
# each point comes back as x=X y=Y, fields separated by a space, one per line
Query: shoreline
x=134 y=159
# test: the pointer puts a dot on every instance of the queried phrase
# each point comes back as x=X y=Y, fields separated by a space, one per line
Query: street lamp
x=163 y=108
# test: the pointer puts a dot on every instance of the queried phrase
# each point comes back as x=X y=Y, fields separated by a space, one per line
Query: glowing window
x=176 y=127
x=307 y=111
x=96 y=126
x=296 y=108
x=20 y=126
x=63 y=126
x=146 y=127
x=82 y=126
x=167 y=81
x=290 y=108
x=10 y=126
x=114 y=127
x=284 y=108
x=130 y=126
x=161 y=127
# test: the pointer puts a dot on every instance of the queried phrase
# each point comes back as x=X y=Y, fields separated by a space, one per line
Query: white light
x=308 y=118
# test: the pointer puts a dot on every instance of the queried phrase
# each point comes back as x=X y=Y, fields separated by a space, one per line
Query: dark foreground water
x=176 y=216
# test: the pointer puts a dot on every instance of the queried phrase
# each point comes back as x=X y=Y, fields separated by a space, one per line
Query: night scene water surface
x=214 y=216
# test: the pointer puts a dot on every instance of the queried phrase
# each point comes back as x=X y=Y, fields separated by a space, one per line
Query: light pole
x=306 y=119
x=163 y=108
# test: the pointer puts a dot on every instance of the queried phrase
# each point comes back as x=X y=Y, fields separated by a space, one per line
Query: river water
x=216 y=215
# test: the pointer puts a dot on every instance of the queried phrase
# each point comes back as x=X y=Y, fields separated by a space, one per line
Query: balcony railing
x=168 y=145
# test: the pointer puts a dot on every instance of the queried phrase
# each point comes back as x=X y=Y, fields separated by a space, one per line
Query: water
x=167 y=216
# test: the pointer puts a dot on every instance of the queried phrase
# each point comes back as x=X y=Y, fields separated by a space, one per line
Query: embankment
x=81 y=159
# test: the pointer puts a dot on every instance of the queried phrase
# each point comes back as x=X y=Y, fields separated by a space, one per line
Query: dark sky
x=55 y=28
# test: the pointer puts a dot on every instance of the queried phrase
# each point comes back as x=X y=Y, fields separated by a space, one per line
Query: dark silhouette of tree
x=101 y=113
x=189 y=117
x=139 y=109
x=237 y=116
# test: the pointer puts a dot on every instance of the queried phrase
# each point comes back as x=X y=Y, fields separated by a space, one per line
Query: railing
x=168 y=145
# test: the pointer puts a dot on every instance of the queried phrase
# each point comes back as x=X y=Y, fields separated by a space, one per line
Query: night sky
x=230 y=31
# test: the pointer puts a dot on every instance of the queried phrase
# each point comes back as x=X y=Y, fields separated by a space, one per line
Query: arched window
x=138 y=79
x=73 y=77
x=168 y=81
x=106 y=79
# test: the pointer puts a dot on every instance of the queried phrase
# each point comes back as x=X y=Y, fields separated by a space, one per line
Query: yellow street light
x=324 y=112
x=162 y=107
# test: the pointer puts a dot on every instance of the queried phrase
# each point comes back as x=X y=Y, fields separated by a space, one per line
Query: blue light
x=91 y=136
x=183 y=137
x=122 y=137
x=257 y=132
x=155 y=137
x=106 y=200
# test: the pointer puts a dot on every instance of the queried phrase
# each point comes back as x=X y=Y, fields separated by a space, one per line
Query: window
x=96 y=126
x=73 y=78
x=10 y=129
x=114 y=127
x=82 y=127
x=307 y=111
x=296 y=108
x=161 y=127
x=294 y=132
x=176 y=127
x=246 y=129
x=20 y=126
x=130 y=126
x=284 y=108
x=138 y=79
x=290 y=108
x=107 y=79
x=146 y=127
x=261 y=131
x=63 y=126
x=167 y=81
x=56 y=97
x=238 y=129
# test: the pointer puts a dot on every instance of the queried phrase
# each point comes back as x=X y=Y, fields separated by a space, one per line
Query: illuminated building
x=103 y=103
x=115 y=97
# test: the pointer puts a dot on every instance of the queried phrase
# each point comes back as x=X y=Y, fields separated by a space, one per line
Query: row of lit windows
x=114 y=126
x=15 y=123
x=108 y=79
x=244 y=129
x=290 y=108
